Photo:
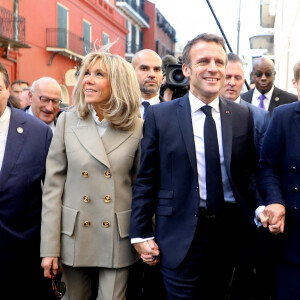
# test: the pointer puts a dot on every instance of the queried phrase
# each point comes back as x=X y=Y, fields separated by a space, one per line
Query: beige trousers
x=81 y=283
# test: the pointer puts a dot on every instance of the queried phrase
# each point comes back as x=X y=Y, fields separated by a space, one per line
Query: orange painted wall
x=32 y=63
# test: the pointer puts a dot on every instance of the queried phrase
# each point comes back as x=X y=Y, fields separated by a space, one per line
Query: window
x=157 y=47
x=86 y=37
x=62 y=26
x=105 y=38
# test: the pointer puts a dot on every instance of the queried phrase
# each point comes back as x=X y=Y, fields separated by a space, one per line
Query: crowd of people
x=131 y=194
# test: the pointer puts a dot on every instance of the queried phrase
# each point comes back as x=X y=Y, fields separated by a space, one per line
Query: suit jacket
x=280 y=173
x=261 y=120
x=279 y=97
x=21 y=175
x=167 y=182
x=88 y=191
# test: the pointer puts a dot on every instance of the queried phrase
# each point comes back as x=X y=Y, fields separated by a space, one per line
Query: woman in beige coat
x=91 y=165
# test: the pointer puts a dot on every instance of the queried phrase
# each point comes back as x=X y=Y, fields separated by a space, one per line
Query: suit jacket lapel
x=226 y=122
x=17 y=133
x=87 y=133
x=186 y=126
x=113 y=138
x=275 y=99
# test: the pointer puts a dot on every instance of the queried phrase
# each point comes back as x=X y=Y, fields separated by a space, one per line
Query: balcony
x=129 y=8
x=12 y=30
x=66 y=43
x=165 y=26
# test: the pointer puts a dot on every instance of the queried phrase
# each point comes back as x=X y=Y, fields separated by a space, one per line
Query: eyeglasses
x=45 y=100
x=59 y=287
x=260 y=74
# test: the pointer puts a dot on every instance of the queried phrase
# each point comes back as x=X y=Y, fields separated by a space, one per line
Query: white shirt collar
x=153 y=100
x=268 y=95
x=196 y=103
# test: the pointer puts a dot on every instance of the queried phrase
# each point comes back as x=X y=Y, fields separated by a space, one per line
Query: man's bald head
x=148 y=67
x=45 y=87
x=263 y=74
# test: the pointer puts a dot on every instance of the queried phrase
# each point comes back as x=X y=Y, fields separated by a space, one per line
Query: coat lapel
x=226 y=122
x=275 y=99
x=87 y=133
x=113 y=138
x=186 y=126
x=17 y=133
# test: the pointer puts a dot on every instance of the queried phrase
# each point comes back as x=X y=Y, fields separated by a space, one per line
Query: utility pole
x=238 y=30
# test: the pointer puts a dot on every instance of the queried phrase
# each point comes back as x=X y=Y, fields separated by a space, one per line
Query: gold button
x=87 y=223
x=107 y=174
x=86 y=199
x=85 y=174
x=107 y=199
x=106 y=224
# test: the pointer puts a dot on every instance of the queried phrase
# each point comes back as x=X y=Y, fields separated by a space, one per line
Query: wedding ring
x=267 y=218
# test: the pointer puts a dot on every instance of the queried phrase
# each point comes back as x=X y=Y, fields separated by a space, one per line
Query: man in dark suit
x=231 y=90
x=203 y=194
x=280 y=184
x=145 y=282
x=266 y=95
x=24 y=143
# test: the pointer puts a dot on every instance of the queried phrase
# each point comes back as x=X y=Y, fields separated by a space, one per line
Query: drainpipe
x=16 y=19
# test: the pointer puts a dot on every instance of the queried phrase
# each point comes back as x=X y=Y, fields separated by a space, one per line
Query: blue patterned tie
x=214 y=186
x=145 y=104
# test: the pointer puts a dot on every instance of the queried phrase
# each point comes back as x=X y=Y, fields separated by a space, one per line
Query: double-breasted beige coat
x=87 y=194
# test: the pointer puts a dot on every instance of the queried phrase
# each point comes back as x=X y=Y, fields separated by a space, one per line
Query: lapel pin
x=20 y=130
x=227 y=112
x=276 y=99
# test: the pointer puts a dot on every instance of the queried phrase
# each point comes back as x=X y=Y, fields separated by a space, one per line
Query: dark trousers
x=145 y=283
x=219 y=264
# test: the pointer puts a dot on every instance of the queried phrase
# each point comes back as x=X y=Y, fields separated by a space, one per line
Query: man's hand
x=275 y=213
x=148 y=251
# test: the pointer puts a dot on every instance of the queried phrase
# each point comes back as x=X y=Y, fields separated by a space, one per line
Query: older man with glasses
x=45 y=98
x=265 y=95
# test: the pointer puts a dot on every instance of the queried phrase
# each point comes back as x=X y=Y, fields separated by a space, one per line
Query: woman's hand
x=50 y=266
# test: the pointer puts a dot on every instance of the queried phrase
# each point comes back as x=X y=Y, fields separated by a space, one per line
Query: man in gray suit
x=231 y=90
x=266 y=95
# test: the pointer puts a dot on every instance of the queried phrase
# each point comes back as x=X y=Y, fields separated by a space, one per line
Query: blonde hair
x=123 y=105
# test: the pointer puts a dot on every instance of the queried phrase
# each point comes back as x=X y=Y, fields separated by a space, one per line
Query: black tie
x=145 y=104
x=214 y=186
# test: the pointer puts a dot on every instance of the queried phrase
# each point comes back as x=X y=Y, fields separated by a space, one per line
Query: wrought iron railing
x=133 y=4
x=10 y=27
x=132 y=47
x=65 y=39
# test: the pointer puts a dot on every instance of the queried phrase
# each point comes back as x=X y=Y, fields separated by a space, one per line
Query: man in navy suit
x=24 y=143
x=265 y=95
x=200 y=243
x=280 y=184
x=234 y=81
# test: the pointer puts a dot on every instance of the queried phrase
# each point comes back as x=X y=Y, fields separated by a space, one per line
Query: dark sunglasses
x=58 y=286
x=260 y=74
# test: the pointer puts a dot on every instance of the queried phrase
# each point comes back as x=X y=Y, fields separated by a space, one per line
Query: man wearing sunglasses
x=266 y=95
x=45 y=98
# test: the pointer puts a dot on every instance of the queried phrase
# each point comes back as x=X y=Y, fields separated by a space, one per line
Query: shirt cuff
x=140 y=240
x=257 y=212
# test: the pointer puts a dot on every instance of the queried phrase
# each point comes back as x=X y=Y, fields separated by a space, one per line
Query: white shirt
x=237 y=100
x=101 y=125
x=198 y=119
x=4 y=125
x=152 y=101
x=267 y=100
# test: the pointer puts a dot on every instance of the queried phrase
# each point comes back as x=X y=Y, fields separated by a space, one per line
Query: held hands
x=148 y=251
x=50 y=266
x=273 y=217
